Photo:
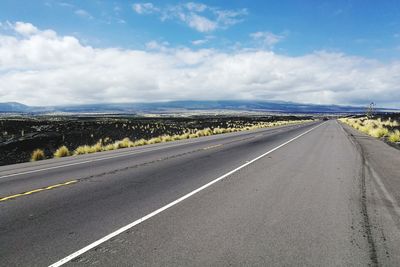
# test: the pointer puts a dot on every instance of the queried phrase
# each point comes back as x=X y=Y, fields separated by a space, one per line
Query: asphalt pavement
x=285 y=196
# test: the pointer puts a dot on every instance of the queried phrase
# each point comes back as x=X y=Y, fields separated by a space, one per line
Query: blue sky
x=328 y=52
x=363 y=27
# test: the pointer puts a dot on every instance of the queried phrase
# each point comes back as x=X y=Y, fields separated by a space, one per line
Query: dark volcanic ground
x=19 y=136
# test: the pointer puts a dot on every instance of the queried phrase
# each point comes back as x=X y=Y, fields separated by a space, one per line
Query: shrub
x=62 y=151
x=176 y=137
x=124 y=143
x=97 y=147
x=127 y=142
x=217 y=131
x=37 y=154
x=394 y=136
x=184 y=136
x=379 y=132
x=166 y=138
x=140 y=142
x=154 y=140
x=204 y=132
x=82 y=150
x=193 y=135
x=109 y=147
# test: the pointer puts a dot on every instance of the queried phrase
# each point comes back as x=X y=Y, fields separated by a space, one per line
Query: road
x=311 y=194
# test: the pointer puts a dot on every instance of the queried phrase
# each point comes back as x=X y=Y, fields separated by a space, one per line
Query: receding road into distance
x=318 y=194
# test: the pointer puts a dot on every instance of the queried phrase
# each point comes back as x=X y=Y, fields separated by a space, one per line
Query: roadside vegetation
x=63 y=151
x=106 y=144
x=37 y=154
x=387 y=129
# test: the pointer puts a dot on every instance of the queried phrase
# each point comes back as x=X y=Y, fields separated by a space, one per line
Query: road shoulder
x=382 y=198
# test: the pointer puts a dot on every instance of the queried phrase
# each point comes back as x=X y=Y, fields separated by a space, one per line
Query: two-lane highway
x=280 y=196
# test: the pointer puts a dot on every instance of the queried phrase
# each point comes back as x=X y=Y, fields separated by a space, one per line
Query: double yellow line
x=37 y=190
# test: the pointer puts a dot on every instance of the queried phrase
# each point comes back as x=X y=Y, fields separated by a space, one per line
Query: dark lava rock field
x=19 y=136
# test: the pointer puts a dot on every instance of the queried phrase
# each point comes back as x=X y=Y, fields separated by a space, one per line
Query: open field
x=20 y=136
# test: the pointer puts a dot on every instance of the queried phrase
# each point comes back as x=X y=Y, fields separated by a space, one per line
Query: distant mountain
x=184 y=106
x=13 y=107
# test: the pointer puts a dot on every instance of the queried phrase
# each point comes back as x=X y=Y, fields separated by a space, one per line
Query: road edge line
x=171 y=204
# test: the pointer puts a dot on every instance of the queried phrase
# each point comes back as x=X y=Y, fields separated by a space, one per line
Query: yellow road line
x=210 y=147
x=37 y=190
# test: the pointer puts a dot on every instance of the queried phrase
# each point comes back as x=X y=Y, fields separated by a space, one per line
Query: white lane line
x=152 y=214
x=123 y=154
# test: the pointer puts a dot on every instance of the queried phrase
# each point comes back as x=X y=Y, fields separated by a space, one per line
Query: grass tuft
x=37 y=154
x=62 y=151
x=109 y=147
x=80 y=150
x=124 y=143
x=378 y=132
x=154 y=140
x=394 y=137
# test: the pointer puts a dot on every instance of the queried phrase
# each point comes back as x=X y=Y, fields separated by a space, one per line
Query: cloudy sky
x=72 y=52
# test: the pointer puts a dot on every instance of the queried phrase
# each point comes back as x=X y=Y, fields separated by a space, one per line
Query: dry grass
x=37 y=154
x=378 y=132
x=107 y=145
x=140 y=142
x=375 y=128
x=124 y=143
x=166 y=138
x=80 y=150
x=394 y=137
x=154 y=140
x=62 y=151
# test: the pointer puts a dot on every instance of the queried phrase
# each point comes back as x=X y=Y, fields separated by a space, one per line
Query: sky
x=57 y=52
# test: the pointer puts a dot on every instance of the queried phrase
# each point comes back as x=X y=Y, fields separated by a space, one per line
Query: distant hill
x=13 y=107
x=184 y=106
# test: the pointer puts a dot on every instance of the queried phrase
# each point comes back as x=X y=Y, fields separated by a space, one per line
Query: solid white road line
x=123 y=154
x=148 y=216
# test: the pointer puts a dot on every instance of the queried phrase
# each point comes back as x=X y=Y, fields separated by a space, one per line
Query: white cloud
x=83 y=14
x=44 y=68
x=154 y=45
x=64 y=4
x=203 y=41
x=267 y=39
x=230 y=17
x=199 y=42
x=196 y=7
x=200 y=23
x=25 y=28
x=144 y=8
x=197 y=16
